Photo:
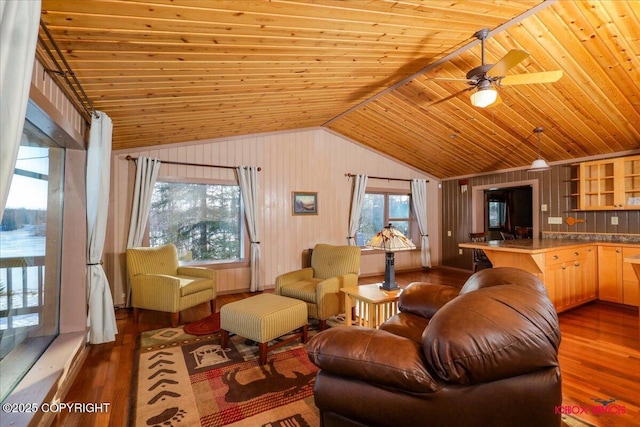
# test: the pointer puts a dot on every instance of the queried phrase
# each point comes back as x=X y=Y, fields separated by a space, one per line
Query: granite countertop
x=533 y=246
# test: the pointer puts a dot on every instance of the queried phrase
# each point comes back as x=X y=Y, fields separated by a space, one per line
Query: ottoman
x=263 y=318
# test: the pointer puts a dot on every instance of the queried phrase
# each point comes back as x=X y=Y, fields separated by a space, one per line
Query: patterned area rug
x=186 y=380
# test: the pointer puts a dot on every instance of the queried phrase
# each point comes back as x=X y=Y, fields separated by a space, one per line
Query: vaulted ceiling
x=183 y=70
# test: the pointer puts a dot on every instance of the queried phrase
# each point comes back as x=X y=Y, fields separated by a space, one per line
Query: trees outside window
x=203 y=221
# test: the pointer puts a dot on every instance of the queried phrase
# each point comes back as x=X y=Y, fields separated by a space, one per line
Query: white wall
x=312 y=160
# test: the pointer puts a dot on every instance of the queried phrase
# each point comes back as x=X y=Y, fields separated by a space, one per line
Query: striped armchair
x=159 y=283
x=332 y=268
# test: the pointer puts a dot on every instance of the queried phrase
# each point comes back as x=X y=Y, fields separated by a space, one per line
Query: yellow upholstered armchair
x=159 y=283
x=332 y=268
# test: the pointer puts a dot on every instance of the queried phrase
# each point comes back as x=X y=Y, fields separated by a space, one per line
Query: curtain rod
x=351 y=175
x=68 y=72
x=190 y=164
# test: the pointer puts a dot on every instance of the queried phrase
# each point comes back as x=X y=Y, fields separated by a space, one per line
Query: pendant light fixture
x=539 y=164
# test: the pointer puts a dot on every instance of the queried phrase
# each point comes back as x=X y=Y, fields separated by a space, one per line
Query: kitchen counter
x=571 y=269
x=534 y=246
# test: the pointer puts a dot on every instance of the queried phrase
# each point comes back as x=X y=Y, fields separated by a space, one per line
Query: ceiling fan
x=486 y=77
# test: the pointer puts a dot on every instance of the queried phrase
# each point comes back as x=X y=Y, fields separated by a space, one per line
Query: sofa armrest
x=425 y=299
x=201 y=272
x=373 y=356
x=292 y=277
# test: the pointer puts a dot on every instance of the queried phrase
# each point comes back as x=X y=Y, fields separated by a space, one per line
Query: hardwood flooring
x=599 y=359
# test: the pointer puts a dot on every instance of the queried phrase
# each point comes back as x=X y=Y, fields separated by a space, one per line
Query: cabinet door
x=630 y=179
x=597 y=185
x=610 y=273
x=591 y=275
x=631 y=284
x=554 y=281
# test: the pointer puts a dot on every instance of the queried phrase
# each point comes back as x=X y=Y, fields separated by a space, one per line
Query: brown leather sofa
x=484 y=355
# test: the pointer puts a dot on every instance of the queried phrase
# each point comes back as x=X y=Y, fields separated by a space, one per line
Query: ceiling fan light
x=539 y=165
x=484 y=97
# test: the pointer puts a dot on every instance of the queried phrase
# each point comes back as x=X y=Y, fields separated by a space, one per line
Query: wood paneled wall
x=312 y=160
x=554 y=190
x=48 y=96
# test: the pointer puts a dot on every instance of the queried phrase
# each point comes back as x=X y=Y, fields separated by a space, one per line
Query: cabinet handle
x=555 y=257
x=576 y=253
x=564 y=267
x=618 y=251
x=577 y=264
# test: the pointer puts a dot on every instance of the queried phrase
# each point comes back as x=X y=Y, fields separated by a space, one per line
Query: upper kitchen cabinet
x=612 y=184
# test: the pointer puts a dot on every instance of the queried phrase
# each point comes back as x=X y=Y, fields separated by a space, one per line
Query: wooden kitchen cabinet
x=570 y=277
x=612 y=184
x=610 y=273
x=630 y=282
x=617 y=282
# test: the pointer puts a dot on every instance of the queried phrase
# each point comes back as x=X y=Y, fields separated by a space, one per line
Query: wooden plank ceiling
x=184 y=70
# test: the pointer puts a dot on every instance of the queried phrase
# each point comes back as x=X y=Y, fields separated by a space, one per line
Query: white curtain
x=419 y=199
x=101 y=319
x=146 y=174
x=248 y=179
x=19 y=21
x=357 y=197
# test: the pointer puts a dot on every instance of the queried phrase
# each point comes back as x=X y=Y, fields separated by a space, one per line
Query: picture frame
x=304 y=203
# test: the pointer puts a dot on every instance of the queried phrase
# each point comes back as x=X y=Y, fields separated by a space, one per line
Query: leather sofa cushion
x=406 y=325
x=492 y=333
x=373 y=356
x=425 y=299
x=501 y=276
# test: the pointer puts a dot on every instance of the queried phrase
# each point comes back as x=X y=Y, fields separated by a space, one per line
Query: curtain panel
x=146 y=175
x=357 y=198
x=19 y=21
x=419 y=199
x=101 y=319
x=248 y=180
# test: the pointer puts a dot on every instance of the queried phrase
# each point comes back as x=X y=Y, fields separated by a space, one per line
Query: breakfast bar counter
x=569 y=267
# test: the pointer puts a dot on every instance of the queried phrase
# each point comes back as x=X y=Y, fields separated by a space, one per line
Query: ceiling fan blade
x=510 y=60
x=451 y=96
x=446 y=79
x=530 y=78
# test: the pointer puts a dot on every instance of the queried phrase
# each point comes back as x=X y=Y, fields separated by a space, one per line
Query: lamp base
x=389 y=286
x=389 y=283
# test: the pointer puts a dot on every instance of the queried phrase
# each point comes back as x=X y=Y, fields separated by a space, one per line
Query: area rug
x=208 y=325
x=186 y=380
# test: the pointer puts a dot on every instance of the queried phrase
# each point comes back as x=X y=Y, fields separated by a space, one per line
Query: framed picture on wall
x=304 y=203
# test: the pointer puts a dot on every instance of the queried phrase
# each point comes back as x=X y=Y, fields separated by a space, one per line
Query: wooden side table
x=373 y=304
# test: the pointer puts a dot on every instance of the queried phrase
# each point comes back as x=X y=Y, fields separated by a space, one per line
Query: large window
x=203 y=221
x=380 y=209
x=30 y=247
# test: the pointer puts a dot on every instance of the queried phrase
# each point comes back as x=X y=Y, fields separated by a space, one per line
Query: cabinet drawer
x=566 y=255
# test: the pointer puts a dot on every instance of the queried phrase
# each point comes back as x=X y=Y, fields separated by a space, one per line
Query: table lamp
x=390 y=240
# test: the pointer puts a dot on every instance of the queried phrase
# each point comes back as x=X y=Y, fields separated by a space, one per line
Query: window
x=380 y=209
x=30 y=248
x=497 y=213
x=203 y=221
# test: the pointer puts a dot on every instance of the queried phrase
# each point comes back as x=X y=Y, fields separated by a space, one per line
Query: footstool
x=263 y=318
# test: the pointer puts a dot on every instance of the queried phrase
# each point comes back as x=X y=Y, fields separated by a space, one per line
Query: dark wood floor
x=599 y=359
